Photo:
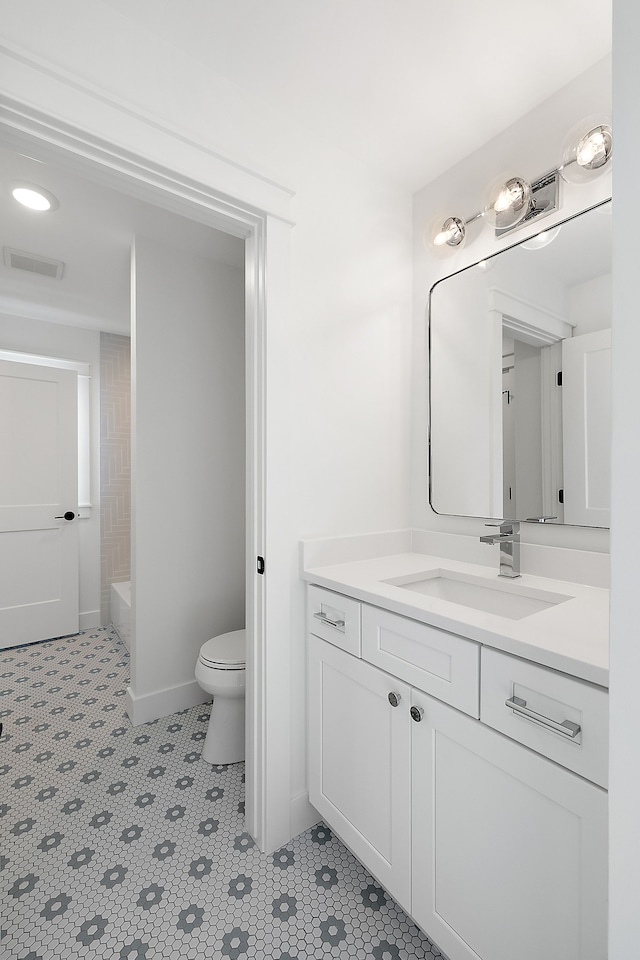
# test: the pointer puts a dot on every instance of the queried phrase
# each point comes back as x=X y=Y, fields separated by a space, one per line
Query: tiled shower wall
x=115 y=464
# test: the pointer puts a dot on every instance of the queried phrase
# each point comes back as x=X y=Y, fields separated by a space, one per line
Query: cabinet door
x=509 y=849
x=360 y=762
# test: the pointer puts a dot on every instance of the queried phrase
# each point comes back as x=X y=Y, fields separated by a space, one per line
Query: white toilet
x=220 y=671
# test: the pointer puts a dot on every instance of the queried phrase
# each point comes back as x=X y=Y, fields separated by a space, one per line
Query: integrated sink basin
x=502 y=598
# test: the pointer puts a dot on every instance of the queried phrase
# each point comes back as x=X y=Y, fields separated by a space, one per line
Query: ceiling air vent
x=32 y=263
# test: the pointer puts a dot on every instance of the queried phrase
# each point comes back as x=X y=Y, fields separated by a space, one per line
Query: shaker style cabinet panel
x=334 y=618
x=360 y=761
x=560 y=717
x=509 y=849
x=440 y=663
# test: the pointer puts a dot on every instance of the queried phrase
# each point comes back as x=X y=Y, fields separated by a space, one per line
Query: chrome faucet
x=509 y=540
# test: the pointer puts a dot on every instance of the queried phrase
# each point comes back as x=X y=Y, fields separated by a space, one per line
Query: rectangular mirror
x=520 y=380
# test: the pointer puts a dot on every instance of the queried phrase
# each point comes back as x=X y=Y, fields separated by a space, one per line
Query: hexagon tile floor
x=120 y=842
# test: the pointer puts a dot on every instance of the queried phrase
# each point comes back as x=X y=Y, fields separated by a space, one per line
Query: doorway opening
x=205 y=209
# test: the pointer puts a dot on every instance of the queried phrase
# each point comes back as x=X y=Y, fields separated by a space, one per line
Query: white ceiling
x=91 y=232
x=409 y=86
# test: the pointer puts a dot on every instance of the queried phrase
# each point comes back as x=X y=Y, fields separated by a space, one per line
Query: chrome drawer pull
x=339 y=624
x=566 y=728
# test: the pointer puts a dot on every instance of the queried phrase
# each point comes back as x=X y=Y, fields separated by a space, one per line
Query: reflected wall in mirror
x=520 y=380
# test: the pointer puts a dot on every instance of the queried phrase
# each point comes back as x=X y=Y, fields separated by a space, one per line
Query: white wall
x=188 y=467
x=624 y=776
x=590 y=305
x=530 y=147
x=71 y=343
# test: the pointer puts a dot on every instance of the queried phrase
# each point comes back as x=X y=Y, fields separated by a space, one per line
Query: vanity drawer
x=335 y=618
x=559 y=716
x=434 y=661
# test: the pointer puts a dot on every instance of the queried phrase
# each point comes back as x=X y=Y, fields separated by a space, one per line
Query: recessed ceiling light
x=34 y=197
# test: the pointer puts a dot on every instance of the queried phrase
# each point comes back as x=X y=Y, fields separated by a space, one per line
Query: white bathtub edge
x=162 y=703
x=120 y=610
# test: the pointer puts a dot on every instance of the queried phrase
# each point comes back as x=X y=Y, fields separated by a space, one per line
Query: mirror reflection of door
x=586 y=362
x=531 y=429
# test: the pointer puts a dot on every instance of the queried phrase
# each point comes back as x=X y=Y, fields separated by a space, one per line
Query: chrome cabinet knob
x=394 y=699
x=417 y=713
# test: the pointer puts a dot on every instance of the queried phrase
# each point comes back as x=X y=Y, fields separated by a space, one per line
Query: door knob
x=69 y=515
x=417 y=713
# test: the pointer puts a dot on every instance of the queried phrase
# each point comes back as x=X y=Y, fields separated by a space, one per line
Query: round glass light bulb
x=509 y=202
x=587 y=151
x=34 y=197
x=452 y=233
x=445 y=236
x=594 y=148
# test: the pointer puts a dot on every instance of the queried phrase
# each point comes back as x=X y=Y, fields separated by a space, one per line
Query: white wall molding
x=303 y=815
x=528 y=321
x=23 y=70
x=162 y=703
x=89 y=619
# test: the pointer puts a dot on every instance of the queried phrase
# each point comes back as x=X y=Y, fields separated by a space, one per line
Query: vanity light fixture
x=34 y=197
x=512 y=201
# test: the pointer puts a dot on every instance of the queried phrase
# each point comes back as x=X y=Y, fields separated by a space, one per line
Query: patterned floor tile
x=120 y=842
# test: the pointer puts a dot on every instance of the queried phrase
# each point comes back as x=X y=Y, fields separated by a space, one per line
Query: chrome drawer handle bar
x=339 y=624
x=566 y=728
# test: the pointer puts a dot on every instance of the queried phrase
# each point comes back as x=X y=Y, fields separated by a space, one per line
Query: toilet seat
x=226 y=652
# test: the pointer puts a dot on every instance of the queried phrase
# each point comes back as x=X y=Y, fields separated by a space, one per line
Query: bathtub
x=121 y=610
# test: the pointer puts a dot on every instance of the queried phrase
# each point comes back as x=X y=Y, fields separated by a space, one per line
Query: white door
x=360 y=761
x=509 y=849
x=38 y=485
x=586 y=427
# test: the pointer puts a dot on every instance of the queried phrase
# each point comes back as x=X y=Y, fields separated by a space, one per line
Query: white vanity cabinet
x=360 y=761
x=509 y=853
x=495 y=851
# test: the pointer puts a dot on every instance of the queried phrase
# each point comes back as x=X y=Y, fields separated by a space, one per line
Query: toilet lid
x=229 y=649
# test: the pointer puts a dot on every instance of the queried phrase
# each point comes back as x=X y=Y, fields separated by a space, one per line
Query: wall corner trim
x=302 y=814
x=22 y=69
x=162 y=703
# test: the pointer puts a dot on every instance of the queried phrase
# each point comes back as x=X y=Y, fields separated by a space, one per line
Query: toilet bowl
x=220 y=671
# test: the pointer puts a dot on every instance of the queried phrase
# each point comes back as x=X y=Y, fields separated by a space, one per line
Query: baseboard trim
x=162 y=703
x=89 y=619
x=302 y=815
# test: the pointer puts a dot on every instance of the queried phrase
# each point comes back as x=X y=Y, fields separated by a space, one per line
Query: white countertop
x=572 y=636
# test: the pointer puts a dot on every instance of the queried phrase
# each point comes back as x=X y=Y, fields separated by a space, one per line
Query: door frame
x=266 y=236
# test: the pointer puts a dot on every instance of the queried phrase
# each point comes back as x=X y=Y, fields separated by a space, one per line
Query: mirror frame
x=449 y=276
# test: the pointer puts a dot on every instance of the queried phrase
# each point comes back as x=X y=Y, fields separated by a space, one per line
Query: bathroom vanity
x=458 y=732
